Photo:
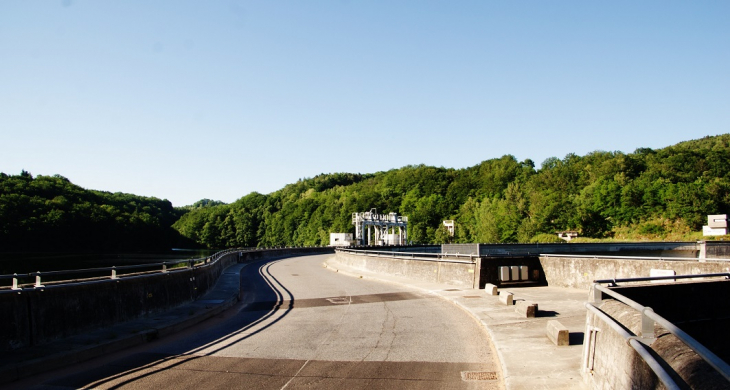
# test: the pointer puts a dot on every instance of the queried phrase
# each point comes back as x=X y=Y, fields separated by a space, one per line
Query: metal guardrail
x=648 y=319
x=443 y=257
x=112 y=273
x=695 y=259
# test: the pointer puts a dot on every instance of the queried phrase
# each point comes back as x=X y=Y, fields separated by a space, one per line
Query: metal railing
x=443 y=257
x=65 y=277
x=648 y=319
x=695 y=259
x=105 y=274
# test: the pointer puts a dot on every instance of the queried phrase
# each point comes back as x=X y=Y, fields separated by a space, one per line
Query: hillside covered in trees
x=51 y=213
x=653 y=194
x=662 y=194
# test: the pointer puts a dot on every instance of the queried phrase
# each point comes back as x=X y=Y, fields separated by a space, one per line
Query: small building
x=341 y=239
x=567 y=235
x=716 y=225
x=449 y=225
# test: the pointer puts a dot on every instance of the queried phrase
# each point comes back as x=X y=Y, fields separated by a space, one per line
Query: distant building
x=567 y=235
x=341 y=239
x=449 y=225
x=716 y=225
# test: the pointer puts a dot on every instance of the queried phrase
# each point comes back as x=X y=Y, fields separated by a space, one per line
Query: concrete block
x=490 y=289
x=526 y=309
x=504 y=274
x=506 y=298
x=524 y=272
x=557 y=333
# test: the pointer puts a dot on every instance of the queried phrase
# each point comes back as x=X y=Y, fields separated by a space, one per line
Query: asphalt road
x=304 y=326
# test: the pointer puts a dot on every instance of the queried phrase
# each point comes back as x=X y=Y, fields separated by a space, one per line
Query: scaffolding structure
x=372 y=228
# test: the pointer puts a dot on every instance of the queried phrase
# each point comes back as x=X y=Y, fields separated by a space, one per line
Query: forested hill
x=51 y=213
x=649 y=194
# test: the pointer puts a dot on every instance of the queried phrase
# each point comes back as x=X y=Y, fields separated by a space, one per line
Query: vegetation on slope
x=51 y=213
x=648 y=194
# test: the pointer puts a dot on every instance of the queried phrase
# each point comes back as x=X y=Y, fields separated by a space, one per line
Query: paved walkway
x=529 y=359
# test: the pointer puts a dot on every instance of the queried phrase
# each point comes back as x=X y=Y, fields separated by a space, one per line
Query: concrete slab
x=528 y=358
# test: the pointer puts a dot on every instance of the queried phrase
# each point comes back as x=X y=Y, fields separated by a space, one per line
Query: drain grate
x=471 y=296
x=453 y=289
x=478 y=376
x=294 y=274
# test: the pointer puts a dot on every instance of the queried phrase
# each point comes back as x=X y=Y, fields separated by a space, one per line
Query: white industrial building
x=341 y=239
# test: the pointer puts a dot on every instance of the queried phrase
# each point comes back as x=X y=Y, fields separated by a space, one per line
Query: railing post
x=647 y=324
x=164 y=266
x=597 y=294
x=15 y=282
x=38 y=280
x=114 y=272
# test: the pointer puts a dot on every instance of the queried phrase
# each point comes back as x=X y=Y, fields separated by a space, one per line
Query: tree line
x=50 y=213
x=648 y=194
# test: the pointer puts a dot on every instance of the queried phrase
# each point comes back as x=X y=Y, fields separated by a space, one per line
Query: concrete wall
x=714 y=249
x=668 y=249
x=609 y=362
x=580 y=272
x=37 y=316
x=455 y=273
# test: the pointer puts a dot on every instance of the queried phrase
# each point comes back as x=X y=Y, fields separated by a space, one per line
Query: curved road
x=304 y=326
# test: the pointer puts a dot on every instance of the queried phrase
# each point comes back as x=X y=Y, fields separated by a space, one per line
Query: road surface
x=299 y=326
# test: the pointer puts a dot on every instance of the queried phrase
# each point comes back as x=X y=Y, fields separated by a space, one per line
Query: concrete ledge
x=526 y=309
x=506 y=298
x=557 y=333
x=490 y=289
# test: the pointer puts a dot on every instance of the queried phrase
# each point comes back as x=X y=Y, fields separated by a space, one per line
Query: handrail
x=112 y=271
x=191 y=263
x=639 y=347
x=649 y=317
x=697 y=259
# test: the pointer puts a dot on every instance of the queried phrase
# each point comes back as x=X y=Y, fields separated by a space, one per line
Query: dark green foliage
x=499 y=200
x=51 y=213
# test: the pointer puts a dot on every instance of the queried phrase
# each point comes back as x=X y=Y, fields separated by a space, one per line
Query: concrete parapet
x=490 y=289
x=580 y=272
x=464 y=274
x=526 y=309
x=557 y=333
x=506 y=297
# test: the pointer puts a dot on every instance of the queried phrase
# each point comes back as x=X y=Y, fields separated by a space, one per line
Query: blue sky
x=184 y=100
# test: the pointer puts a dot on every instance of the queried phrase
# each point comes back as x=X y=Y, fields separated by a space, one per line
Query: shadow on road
x=264 y=298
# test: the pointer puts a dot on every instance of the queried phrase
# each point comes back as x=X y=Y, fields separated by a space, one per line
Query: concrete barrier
x=580 y=272
x=490 y=289
x=506 y=298
x=35 y=316
x=457 y=273
x=557 y=333
x=526 y=309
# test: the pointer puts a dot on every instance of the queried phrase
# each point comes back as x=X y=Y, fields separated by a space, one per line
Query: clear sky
x=184 y=100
